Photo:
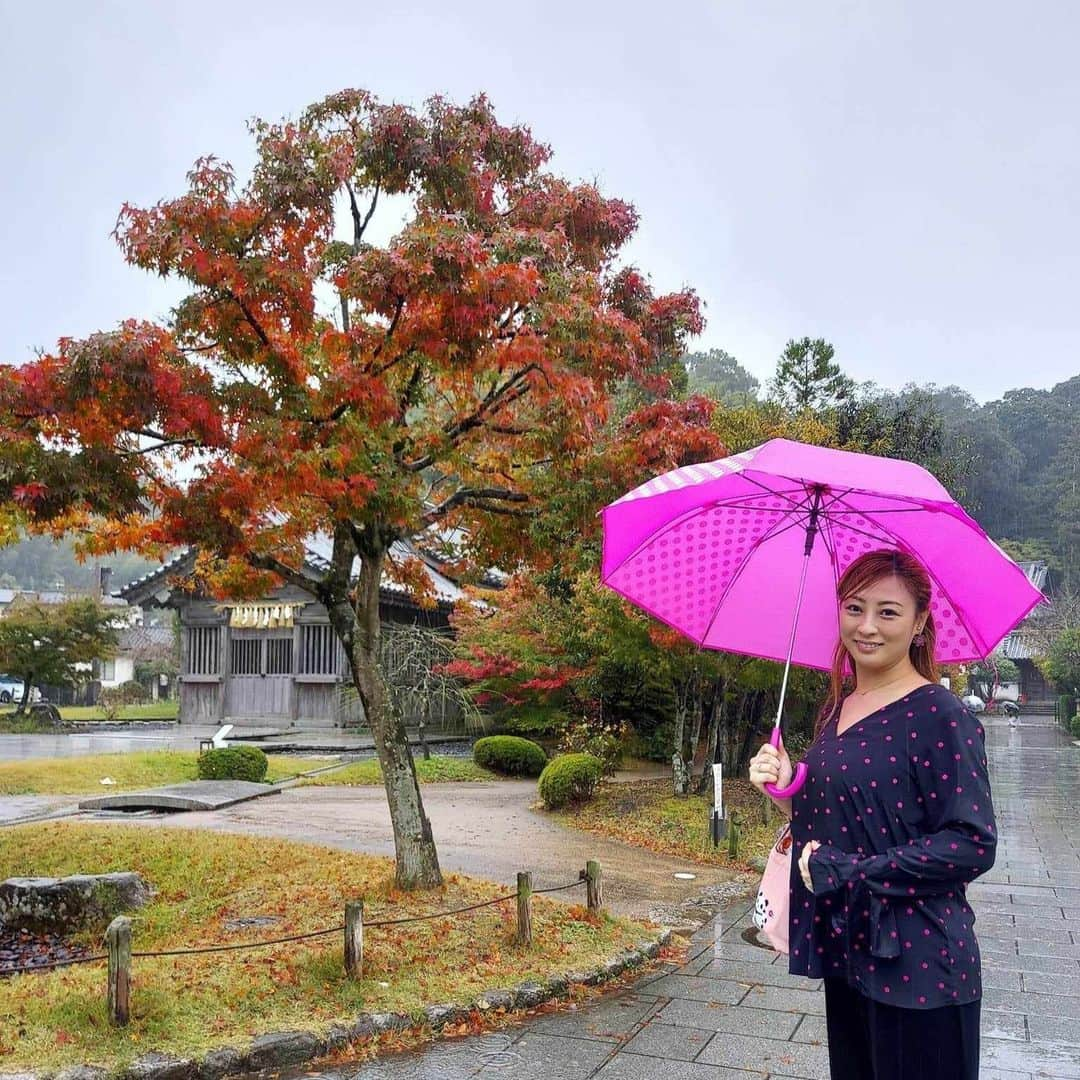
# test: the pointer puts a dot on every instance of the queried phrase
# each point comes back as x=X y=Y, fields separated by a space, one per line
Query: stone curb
x=282 y=1049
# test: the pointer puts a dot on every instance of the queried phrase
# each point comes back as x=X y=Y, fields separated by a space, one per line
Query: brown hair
x=863 y=572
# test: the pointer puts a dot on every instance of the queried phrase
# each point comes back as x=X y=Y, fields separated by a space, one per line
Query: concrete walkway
x=732 y=1011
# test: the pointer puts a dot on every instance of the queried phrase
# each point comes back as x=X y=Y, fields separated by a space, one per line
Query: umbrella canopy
x=717 y=551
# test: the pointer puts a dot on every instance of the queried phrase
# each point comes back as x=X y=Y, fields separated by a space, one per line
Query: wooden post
x=733 y=836
x=594 y=889
x=118 y=942
x=354 y=939
x=524 y=908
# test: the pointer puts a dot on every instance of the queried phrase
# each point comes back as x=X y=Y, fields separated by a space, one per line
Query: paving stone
x=1028 y=947
x=1045 y=983
x=1042 y=1004
x=737 y=1019
x=1057 y=1029
x=547 y=1057
x=767 y=1055
x=669 y=1042
x=812 y=1030
x=782 y=1000
x=447 y=1061
x=1051 y=965
x=697 y=988
x=635 y=1067
x=1001 y=978
x=763 y=974
x=608 y=1021
x=1043 y=1059
x=1038 y=929
x=1003 y=1025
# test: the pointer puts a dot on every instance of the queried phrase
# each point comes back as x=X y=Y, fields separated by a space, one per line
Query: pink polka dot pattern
x=707 y=549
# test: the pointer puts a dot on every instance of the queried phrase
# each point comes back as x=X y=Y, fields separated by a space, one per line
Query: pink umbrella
x=726 y=552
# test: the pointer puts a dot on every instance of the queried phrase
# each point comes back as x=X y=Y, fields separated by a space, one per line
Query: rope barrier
x=282 y=940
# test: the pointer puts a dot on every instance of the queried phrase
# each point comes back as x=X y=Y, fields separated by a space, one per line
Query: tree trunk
x=24 y=701
x=717 y=703
x=680 y=774
x=698 y=705
x=414 y=846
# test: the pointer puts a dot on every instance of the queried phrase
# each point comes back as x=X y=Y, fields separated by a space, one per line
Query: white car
x=974 y=703
x=11 y=690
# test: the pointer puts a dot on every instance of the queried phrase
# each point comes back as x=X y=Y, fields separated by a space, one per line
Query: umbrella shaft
x=791 y=640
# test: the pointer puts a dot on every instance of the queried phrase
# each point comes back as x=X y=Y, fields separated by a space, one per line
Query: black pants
x=872 y=1041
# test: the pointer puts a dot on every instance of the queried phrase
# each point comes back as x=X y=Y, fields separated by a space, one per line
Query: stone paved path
x=732 y=1011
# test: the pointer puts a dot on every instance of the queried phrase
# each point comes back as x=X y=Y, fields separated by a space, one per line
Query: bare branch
x=497 y=398
x=389 y=334
x=480 y=498
x=158 y=446
x=358 y=225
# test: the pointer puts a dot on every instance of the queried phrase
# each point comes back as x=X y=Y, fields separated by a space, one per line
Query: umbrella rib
x=781 y=494
x=742 y=566
x=904 y=545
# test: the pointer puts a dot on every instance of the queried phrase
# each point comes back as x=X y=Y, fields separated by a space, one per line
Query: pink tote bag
x=771 y=908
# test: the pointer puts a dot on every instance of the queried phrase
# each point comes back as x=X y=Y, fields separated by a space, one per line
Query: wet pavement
x=157 y=735
x=732 y=1011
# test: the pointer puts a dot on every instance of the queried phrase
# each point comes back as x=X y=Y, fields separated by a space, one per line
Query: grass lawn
x=29 y=724
x=152 y=710
x=436 y=770
x=152 y=768
x=189 y=1004
x=646 y=814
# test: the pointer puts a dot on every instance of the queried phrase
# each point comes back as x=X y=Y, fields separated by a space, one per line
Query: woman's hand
x=804 y=863
x=771 y=765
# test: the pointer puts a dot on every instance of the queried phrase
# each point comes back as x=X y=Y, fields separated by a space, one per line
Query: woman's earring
x=919 y=640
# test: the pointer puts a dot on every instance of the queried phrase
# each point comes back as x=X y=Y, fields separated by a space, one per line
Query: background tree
x=807 y=378
x=461 y=371
x=984 y=678
x=1062 y=663
x=718 y=375
x=51 y=644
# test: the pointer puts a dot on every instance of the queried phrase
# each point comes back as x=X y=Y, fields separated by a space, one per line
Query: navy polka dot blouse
x=900 y=803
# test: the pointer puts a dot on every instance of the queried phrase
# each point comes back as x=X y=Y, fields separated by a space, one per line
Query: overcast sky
x=901 y=178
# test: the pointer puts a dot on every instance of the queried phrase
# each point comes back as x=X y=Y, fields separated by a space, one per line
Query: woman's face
x=877 y=624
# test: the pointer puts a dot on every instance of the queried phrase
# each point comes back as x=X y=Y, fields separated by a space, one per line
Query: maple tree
x=314 y=381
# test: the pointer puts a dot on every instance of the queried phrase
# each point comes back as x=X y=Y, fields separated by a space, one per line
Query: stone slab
x=193 y=795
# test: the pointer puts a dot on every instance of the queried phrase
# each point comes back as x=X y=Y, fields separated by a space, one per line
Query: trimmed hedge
x=233 y=763
x=570 y=778
x=509 y=754
x=1076 y=726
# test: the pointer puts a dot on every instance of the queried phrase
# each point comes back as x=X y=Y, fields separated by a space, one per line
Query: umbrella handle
x=797 y=780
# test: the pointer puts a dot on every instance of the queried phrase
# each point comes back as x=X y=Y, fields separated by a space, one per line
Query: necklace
x=875 y=689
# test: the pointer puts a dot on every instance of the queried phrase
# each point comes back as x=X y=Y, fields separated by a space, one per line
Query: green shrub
x=1076 y=726
x=233 y=763
x=571 y=778
x=509 y=754
x=132 y=693
x=531 y=720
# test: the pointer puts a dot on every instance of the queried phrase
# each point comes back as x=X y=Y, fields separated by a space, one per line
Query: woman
x=894 y=820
